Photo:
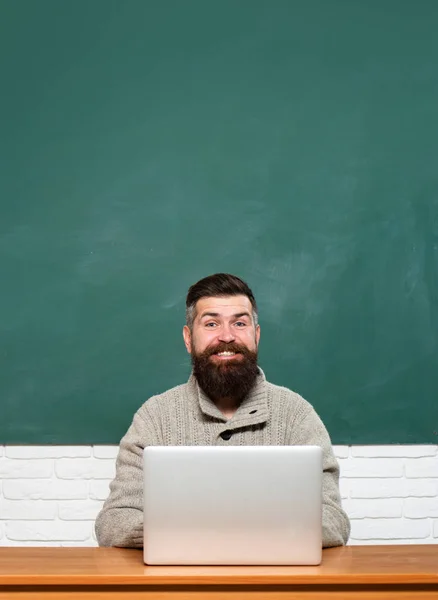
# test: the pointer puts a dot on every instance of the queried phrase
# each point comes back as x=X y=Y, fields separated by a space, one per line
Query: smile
x=227 y=355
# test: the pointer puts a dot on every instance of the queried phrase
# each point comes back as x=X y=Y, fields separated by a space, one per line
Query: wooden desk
x=356 y=572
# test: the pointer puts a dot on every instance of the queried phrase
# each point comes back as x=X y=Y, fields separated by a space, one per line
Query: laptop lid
x=236 y=505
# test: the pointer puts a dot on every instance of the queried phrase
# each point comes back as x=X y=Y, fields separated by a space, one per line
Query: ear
x=187 y=335
x=257 y=335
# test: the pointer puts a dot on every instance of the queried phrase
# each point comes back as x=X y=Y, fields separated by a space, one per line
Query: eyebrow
x=235 y=316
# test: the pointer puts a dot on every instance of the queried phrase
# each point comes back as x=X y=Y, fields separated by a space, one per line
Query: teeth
x=226 y=353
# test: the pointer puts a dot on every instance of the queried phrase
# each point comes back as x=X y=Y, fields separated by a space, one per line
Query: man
x=226 y=400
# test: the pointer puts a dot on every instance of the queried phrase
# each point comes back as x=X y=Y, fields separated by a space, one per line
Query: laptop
x=235 y=505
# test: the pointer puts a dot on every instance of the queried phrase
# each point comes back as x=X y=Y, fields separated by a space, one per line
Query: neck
x=227 y=406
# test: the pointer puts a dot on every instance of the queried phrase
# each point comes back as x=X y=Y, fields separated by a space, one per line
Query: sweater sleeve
x=335 y=523
x=120 y=522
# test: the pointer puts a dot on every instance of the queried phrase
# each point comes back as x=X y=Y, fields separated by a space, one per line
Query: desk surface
x=356 y=565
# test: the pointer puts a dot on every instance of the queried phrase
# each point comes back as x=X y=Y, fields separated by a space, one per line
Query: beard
x=232 y=378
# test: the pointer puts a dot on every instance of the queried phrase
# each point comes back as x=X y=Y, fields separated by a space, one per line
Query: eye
x=210 y=325
x=240 y=324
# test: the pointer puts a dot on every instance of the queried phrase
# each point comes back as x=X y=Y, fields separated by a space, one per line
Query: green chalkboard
x=148 y=143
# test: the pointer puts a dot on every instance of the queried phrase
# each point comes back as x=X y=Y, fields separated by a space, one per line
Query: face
x=222 y=323
x=223 y=343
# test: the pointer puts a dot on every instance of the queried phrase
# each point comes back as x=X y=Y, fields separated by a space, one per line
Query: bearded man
x=226 y=400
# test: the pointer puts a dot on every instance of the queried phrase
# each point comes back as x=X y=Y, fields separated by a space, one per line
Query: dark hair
x=217 y=285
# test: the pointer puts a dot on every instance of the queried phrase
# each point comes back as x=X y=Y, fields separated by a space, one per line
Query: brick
x=32 y=544
x=343 y=462
x=392 y=488
x=91 y=543
x=11 y=468
x=28 y=509
x=82 y=510
x=1 y=451
x=105 y=451
x=45 y=489
x=386 y=508
x=1 y=531
x=87 y=468
x=51 y=531
x=421 y=467
x=48 y=451
x=394 y=451
x=341 y=451
x=373 y=467
x=419 y=508
x=390 y=529
x=373 y=542
x=344 y=487
x=435 y=529
x=99 y=490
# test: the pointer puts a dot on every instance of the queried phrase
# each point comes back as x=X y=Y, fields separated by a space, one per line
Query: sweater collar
x=252 y=411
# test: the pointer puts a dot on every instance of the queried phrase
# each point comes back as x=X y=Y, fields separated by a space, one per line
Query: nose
x=226 y=334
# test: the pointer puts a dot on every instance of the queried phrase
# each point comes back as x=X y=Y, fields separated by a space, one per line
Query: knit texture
x=184 y=416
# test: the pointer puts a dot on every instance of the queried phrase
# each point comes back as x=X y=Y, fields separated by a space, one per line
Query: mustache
x=227 y=347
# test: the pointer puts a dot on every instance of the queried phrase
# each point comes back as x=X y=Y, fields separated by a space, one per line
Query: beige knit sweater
x=184 y=416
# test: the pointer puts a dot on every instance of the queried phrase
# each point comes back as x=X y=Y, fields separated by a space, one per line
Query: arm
x=120 y=522
x=335 y=523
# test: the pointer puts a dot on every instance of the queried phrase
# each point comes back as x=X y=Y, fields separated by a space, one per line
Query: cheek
x=202 y=340
x=249 y=339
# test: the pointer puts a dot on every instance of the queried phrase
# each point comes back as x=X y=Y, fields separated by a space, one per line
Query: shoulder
x=305 y=425
x=288 y=398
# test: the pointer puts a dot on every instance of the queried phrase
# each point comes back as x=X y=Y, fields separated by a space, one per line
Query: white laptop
x=235 y=505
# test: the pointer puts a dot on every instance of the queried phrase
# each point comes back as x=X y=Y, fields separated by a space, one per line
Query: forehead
x=224 y=306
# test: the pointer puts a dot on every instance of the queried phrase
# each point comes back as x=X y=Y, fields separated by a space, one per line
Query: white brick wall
x=390 y=493
x=50 y=495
